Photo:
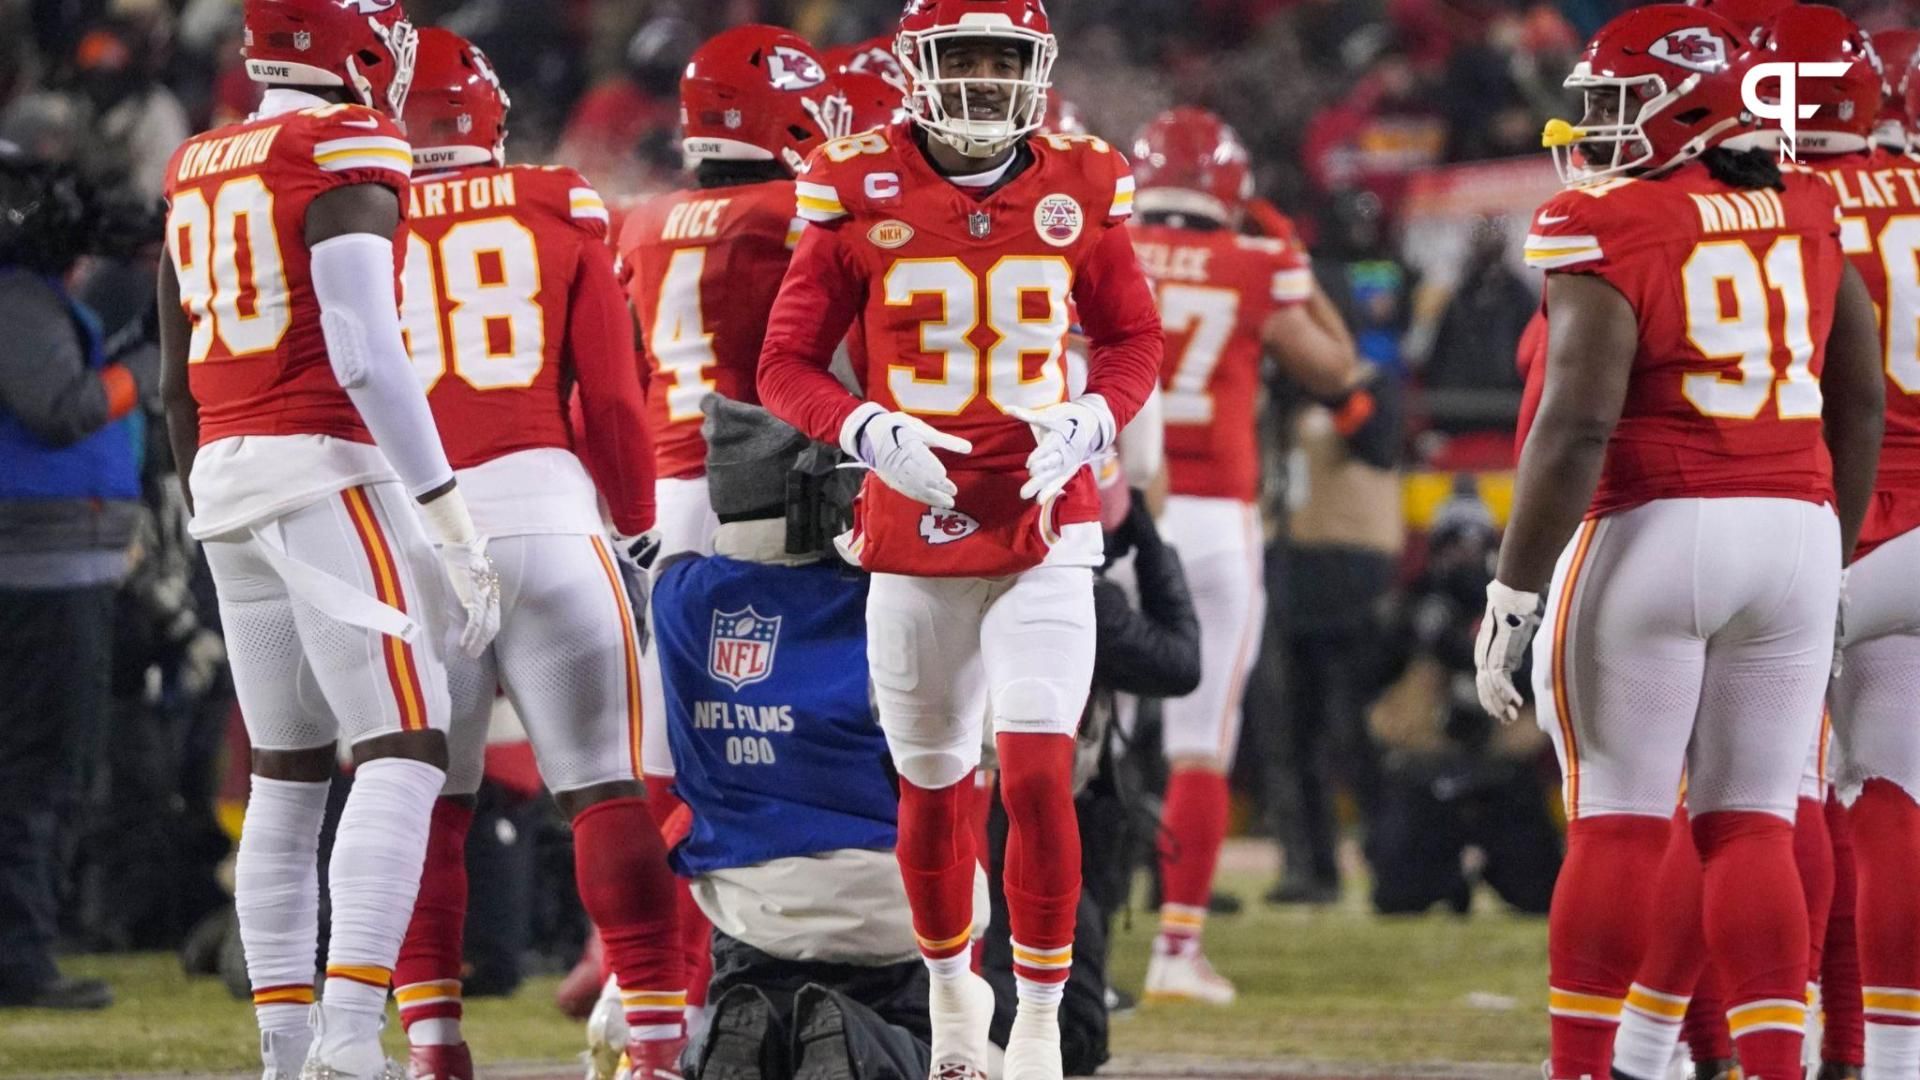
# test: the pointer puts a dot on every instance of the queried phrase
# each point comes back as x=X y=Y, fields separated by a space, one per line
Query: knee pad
x=1030 y=705
x=934 y=752
x=934 y=769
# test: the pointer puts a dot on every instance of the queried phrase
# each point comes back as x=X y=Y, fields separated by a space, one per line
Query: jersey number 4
x=487 y=274
x=1744 y=332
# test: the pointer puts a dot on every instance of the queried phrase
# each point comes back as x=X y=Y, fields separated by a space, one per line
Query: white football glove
x=899 y=449
x=636 y=556
x=1070 y=434
x=463 y=553
x=1506 y=630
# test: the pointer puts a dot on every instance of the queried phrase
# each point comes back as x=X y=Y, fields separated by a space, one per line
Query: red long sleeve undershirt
x=610 y=407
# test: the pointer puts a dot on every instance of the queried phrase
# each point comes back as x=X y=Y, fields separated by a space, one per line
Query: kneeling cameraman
x=786 y=775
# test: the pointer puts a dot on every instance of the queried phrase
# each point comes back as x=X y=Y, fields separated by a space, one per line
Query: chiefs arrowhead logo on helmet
x=791 y=69
x=1695 y=48
x=368 y=7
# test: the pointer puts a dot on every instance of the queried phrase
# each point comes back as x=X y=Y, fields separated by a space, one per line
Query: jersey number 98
x=487 y=273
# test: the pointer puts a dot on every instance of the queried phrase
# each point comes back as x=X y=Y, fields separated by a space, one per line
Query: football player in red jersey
x=704 y=265
x=1836 y=137
x=955 y=241
x=321 y=492
x=1876 y=760
x=1225 y=300
x=508 y=299
x=1711 y=378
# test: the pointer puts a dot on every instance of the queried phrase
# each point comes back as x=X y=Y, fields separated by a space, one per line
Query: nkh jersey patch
x=741 y=647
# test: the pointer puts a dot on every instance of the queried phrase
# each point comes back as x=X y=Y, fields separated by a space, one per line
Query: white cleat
x=1033 y=1046
x=1186 y=976
x=348 y=1052
x=607 y=1033
x=283 y=1053
x=962 y=1011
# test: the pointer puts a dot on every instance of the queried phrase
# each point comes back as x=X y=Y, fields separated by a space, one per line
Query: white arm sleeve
x=353 y=280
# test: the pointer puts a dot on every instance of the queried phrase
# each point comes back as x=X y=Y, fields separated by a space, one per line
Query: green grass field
x=1334 y=985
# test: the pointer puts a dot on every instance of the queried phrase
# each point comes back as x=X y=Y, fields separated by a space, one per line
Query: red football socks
x=1844 y=1034
x=935 y=851
x=1886 y=853
x=1658 y=1001
x=1755 y=917
x=1193 y=825
x=620 y=866
x=426 y=977
x=1042 y=879
x=1597 y=931
x=1705 y=1030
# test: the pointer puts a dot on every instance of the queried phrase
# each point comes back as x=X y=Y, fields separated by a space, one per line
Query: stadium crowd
x=1380 y=507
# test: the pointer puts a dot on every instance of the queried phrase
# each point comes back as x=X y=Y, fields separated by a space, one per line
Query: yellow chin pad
x=1560 y=133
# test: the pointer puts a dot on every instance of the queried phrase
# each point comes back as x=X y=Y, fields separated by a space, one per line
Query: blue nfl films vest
x=104 y=465
x=776 y=749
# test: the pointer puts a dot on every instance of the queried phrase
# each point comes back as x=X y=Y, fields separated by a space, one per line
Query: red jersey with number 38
x=1734 y=292
x=1215 y=290
x=1879 y=197
x=962 y=306
x=236 y=233
x=704 y=267
x=509 y=302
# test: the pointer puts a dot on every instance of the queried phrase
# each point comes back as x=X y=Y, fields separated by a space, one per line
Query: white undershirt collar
x=280 y=100
x=984 y=179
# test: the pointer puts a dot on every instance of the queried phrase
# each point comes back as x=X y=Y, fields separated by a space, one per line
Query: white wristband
x=448 y=521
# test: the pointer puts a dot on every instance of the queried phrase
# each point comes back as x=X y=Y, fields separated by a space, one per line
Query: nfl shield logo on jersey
x=741 y=650
x=302 y=40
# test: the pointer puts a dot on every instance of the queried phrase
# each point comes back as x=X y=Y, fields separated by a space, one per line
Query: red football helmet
x=1063 y=118
x=929 y=27
x=1748 y=16
x=367 y=45
x=1661 y=86
x=1845 y=106
x=457 y=110
x=1898 y=50
x=871 y=57
x=874 y=101
x=758 y=93
x=1188 y=161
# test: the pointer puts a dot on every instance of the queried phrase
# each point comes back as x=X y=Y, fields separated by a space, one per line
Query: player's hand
x=1069 y=433
x=899 y=449
x=636 y=556
x=463 y=553
x=477 y=586
x=1506 y=630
